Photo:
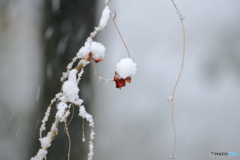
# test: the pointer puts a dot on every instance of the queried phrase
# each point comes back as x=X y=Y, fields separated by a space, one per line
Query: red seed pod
x=120 y=82
x=128 y=79
x=89 y=57
x=97 y=60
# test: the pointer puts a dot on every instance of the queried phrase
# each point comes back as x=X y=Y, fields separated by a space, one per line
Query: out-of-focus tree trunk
x=66 y=25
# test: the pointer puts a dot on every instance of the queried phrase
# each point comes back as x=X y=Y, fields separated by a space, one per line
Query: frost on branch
x=84 y=114
x=104 y=19
x=84 y=51
x=124 y=73
x=65 y=99
x=69 y=94
x=70 y=88
x=63 y=111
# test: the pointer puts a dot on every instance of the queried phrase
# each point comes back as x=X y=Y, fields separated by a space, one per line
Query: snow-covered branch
x=69 y=94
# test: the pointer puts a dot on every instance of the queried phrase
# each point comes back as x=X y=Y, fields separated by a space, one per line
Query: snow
x=84 y=114
x=97 y=50
x=93 y=34
x=70 y=88
x=69 y=94
x=12 y=115
x=45 y=119
x=38 y=93
x=83 y=139
x=46 y=141
x=104 y=19
x=92 y=135
x=64 y=76
x=126 y=68
x=62 y=113
x=40 y=155
x=79 y=78
x=83 y=52
x=18 y=131
x=90 y=154
x=170 y=98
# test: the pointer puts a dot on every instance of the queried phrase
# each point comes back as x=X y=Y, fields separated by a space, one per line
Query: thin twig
x=113 y=19
x=179 y=75
x=95 y=72
x=72 y=115
x=69 y=139
x=83 y=135
x=45 y=119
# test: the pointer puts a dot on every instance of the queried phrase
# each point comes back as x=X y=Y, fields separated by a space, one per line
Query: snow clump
x=93 y=50
x=70 y=88
x=97 y=50
x=104 y=19
x=126 y=68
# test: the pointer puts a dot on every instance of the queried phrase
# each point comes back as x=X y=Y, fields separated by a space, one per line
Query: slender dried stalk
x=115 y=24
x=96 y=74
x=179 y=76
x=69 y=139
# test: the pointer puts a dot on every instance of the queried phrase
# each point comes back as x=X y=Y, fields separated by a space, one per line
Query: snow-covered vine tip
x=124 y=73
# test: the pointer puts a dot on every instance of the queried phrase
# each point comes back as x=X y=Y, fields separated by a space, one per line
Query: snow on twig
x=70 y=91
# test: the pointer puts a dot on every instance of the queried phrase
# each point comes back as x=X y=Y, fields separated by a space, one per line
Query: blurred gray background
x=38 y=39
